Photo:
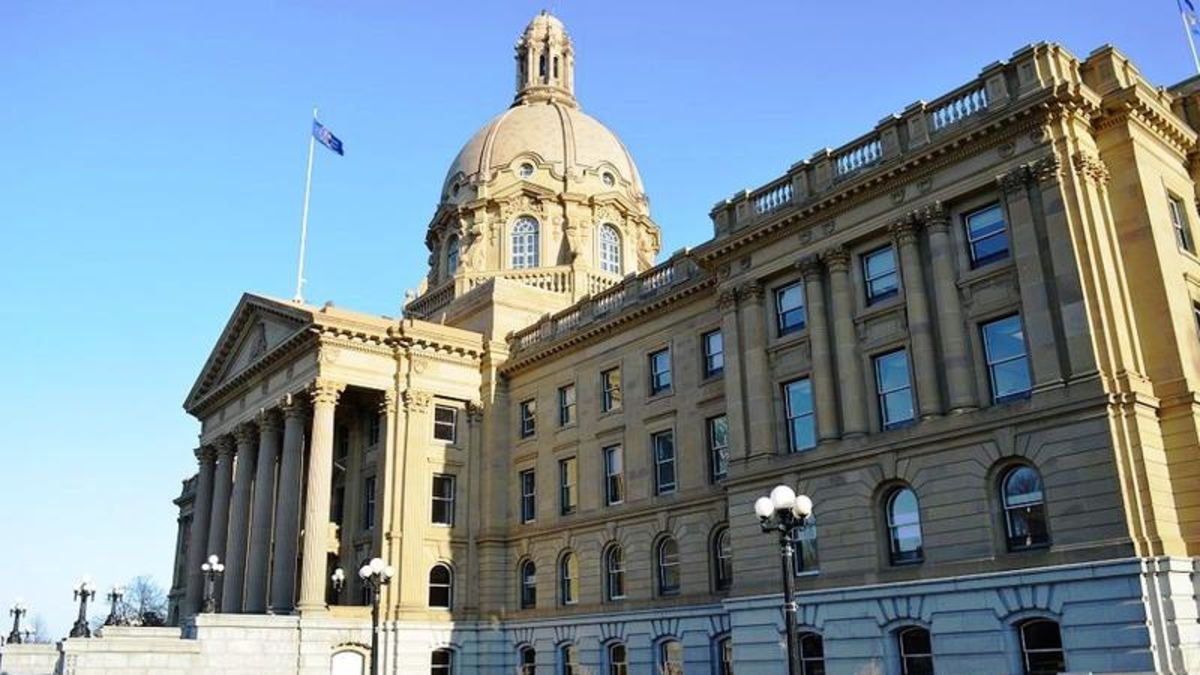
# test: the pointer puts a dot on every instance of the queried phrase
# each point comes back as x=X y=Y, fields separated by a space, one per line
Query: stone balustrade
x=560 y=279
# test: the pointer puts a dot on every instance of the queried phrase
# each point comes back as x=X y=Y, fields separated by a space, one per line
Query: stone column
x=198 y=541
x=955 y=363
x=287 y=509
x=314 y=574
x=258 y=561
x=218 y=528
x=758 y=371
x=239 y=519
x=735 y=402
x=850 y=376
x=824 y=386
x=920 y=330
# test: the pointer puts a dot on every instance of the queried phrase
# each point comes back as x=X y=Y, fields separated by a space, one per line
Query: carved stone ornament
x=1013 y=182
x=811 y=267
x=837 y=259
x=1006 y=149
x=752 y=291
x=607 y=213
x=897 y=196
x=206 y=454
x=1048 y=169
x=474 y=411
x=727 y=299
x=292 y=406
x=925 y=185
x=522 y=204
x=246 y=434
x=326 y=392
x=259 y=346
x=1091 y=167
x=387 y=403
x=904 y=231
x=225 y=447
x=416 y=401
x=268 y=421
x=419 y=364
x=935 y=217
x=327 y=355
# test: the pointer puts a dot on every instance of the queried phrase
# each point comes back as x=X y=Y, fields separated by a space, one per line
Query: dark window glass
x=614 y=570
x=452 y=253
x=904 y=527
x=663 y=444
x=614 y=475
x=789 y=308
x=714 y=353
x=894 y=389
x=723 y=560
x=373 y=430
x=1179 y=223
x=568 y=579
x=916 y=651
x=725 y=653
x=812 y=654
x=805 y=541
x=987 y=235
x=879 y=274
x=1024 y=509
x=568 y=478
x=1042 y=648
x=610 y=385
x=801 y=424
x=566 y=405
x=441 y=662
x=618 y=659
x=368 y=514
x=442 y=507
x=568 y=655
x=668 y=566
x=1007 y=361
x=445 y=423
x=718 y=447
x=528 y=585
x=528 y=418
x=441 y=586
x=528 y=496
x=660 y=371
x=528 y=655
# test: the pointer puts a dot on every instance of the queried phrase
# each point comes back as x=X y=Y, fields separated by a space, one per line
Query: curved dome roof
x=556 y=133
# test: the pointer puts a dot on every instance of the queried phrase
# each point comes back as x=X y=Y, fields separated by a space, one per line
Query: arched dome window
x=610 y=249
x=452 y=255
x=524 y=243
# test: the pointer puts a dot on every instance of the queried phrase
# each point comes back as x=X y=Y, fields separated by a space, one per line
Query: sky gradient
x=154 y=168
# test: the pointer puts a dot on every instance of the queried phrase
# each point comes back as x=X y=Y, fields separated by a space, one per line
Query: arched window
x=610 y=249
x=568 y=579
x=441 y=586
x=1024 y=509
x=614 y=573
x=722 y=560
x=916 y=651
x=527 y=660
x=670 y=657
x=441 y=662
x=904 y=526
x=725 y=656
x=568 y=659
x=524 y=243
x=452 y=254
x=528 y=585
x=1041 y=647
x=618 y=659
x=812 y=653
x=667 y=557
x=805 y=540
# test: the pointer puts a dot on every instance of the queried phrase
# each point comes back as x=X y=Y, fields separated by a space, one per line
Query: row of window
x=1039 y=639
x=524 y=247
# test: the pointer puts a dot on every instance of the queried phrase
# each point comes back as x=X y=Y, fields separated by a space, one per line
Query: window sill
x=657 y=396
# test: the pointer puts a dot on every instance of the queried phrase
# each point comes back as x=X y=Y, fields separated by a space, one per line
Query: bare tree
x=145 y=602
x=38 y=633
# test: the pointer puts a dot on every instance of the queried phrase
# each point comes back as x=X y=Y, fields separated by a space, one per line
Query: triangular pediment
x=257 y=327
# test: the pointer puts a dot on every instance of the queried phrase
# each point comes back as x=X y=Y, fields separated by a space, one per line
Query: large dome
x=551 y=133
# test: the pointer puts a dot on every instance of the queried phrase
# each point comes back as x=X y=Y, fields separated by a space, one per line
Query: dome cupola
x=545 y=62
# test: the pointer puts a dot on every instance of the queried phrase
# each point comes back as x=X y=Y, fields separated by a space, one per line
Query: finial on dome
x=545 y=62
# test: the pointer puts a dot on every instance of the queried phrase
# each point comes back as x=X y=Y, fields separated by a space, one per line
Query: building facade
x=970 y=335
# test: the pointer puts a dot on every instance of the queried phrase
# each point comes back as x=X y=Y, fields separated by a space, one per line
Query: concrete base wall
x=32 y=659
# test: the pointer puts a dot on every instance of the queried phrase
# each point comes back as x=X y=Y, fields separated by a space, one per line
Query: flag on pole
x=1188 y=9
x=321 y=133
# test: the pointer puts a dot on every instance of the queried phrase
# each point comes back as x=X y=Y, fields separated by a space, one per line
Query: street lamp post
x=18 y=610
x=83 y=593
x=375 y=575
x=338 y=579
x=786 y=512
x=114 y=602
x=212 y=569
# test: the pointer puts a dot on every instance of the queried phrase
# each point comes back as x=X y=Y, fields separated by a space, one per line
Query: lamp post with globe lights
x=786 y=512
x=375 y=575
x=338 y=579
x=212 y=569
x=18 y=610
x=114 y=602
x=83 y=593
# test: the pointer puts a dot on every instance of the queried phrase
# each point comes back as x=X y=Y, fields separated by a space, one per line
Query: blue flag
x=327 y=138
x=1188 y=9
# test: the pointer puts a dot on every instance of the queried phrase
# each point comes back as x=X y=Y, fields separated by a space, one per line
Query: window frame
x=453 y=255
x=873 y=298
x=452 y=424
x=905 y=656
x=615 y=667
x=568 y=486
x=722 y=559
x=805 y=539
x=443 y=668
x=1023 y=643
x=661 y=486
x=568 y=579
x=663 y=568
x=526 y=660
x=524 y=244
x=990 y=365
x=804 y=637
x=610 y=254
x=609 y=402
x=1180 y=225
x=448 y=585
x=567 y=404
x=881 y=395
x=614 y=570
x=528 y=417
x=665 y=651
x=793 y=416
x=448 y=502
x=896 y=557
x=1007 y=509
x=718 y=455
x=369 y=497
x=782 y=326
x=978 y=261
x=568 y=657
x=527 y=584
x=610 y=476
x=713 y=360
x=527 y=483
x=661 y=381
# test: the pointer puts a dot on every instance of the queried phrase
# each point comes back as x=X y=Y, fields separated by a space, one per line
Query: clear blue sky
x=153 y=169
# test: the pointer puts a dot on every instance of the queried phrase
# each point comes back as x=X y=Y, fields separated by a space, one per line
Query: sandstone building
x=970 y=335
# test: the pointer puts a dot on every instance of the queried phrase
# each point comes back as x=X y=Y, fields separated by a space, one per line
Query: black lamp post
x=83 y=593
x=786 y=512
x=114 y=602
x=18 y=610
x=375 y=575
x=212 y=568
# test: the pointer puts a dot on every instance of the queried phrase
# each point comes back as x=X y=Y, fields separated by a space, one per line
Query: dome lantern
x=545 y=61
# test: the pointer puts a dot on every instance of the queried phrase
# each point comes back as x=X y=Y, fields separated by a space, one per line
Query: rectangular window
x=987 y=235
x=805 y=541
x=614 y=475
x=368 y=514
x=341 y=440
x=1179 y=223
x=568 y=478
x=714 y=353
x=528 y=418
x=373 y=430
x=1007 y=360
x=442 y=508
x=879 y=274
x=610 y=389
x=798 y=402
x=566 y=405
x=528 y=485
x=789 y=308
x=663 y=444
x=718 y=447
x=338 y=504
x=445 y=423
x=660 y=371
x=894 y=389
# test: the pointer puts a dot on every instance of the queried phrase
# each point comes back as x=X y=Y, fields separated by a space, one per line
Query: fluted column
x=850 y=376
x=287 y=508
x=313 y=574
x=259 y=558
x=955 y=363
x=824 y=386
x=239 y=519
x=218 y=528
x=920 y=330
x=198 y=541
x=758 y=370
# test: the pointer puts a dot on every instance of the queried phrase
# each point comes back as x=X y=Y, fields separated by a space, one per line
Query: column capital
x=727 y=299
x=837 y=259
x=1048 y=169
x=226 y=446
x=811 y=267
x=904 y=231
x=474 y=411
x=416 y=401
x=387 y=404
x=268 y=420
x=752 y=291
x=1012 y=183
x=1090 y=167
x=326 y=392
x=935 y=218
x=246 y=434
x=293 y=406
x=206 y=454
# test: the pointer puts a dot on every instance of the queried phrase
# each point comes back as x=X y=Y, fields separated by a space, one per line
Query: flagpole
x=1192 y=42
x=299 y=297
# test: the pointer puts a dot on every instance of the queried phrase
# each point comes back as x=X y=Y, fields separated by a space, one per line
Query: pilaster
x=849 y=363
x=955 y=361
x=198 y=541
x=824 y=384
x=758 y=390
x=920 y=330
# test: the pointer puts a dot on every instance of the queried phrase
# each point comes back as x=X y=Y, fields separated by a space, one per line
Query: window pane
x=1005 y=339
x=789 y=308
x=892 y=370
x=898 y=406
